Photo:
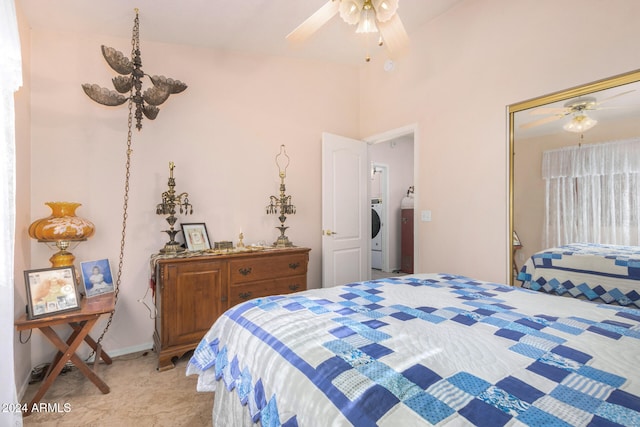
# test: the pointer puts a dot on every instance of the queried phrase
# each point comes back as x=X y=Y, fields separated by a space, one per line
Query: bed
x=424 y=349
x=602 y=273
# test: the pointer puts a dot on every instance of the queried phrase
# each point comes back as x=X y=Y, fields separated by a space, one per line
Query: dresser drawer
x=252 y=269
x=263 y=288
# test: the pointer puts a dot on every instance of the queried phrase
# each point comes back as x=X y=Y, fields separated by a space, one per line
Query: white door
x=346 y=229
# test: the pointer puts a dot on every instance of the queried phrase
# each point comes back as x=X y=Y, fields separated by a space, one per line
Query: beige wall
x=225 y=129
x=223 y=134
x=463 y=70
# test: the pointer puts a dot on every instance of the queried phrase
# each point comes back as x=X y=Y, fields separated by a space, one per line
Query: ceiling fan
x=370 y=16
x=577 y=108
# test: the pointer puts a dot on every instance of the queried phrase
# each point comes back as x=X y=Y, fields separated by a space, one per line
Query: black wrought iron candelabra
x=282 y=204
x=171 y=201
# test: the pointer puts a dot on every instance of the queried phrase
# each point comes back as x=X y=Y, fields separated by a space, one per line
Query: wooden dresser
x=192 y=292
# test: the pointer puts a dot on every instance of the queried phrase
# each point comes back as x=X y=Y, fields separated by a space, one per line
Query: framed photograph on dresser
x=51 y=291
x=195 y=236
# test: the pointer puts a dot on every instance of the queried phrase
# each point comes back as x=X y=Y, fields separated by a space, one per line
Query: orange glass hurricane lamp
x=61 y=229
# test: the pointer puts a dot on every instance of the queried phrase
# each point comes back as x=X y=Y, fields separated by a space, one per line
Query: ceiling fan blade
x=393 y=34
x=550 y=110
x=619 y=107
x=314 y=22
x=541 y=121
x=613 y=97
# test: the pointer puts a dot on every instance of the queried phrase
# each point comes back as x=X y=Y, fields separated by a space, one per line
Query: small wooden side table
x=81 y=321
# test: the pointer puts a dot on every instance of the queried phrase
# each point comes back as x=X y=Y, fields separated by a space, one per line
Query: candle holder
x=241 y=246
x=168 y=207
x=282 y=202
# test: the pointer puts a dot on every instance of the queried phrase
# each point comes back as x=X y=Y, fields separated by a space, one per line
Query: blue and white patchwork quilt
x=602 y=273
x=426 y=349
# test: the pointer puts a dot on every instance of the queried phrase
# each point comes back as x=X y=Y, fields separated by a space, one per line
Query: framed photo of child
x=51 y=291
x=96 y=277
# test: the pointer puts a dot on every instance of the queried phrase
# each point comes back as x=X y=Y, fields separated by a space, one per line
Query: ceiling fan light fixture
x=350 y=11
x=369 y=16
x=385 y=9
x=367 y=23
x=580 y=123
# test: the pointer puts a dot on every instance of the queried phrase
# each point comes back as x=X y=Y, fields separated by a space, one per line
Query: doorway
x=392 y=180
x=346 y=208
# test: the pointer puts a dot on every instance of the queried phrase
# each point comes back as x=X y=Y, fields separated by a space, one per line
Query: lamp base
x=172 y=248
x=62 y=259
x=283 y=242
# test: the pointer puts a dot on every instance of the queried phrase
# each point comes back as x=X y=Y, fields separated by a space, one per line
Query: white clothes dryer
x=376 y=233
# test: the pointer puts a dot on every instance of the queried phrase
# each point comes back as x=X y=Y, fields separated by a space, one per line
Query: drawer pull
x=245 y=295
x=245 y=271
x=294 y=287
x=294 y=265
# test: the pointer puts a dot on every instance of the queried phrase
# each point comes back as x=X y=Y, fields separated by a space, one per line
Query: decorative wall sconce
x=171 y=200
x=282 y=202
x=130 y=80
x=61 y=229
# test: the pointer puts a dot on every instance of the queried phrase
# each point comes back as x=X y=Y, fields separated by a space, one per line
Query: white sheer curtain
x=10 y=81
x=592 y=194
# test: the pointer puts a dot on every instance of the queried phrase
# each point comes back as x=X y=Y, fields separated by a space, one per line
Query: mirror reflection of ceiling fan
x=577 y=108
x=370 y=16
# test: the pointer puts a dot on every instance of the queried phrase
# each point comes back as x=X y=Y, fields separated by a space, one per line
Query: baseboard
x=23 y=388
x=126 y=351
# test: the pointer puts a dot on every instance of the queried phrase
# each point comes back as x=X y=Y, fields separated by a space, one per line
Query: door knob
x=329 y=233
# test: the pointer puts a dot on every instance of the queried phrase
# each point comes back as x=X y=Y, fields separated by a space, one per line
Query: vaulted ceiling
x=254 y=26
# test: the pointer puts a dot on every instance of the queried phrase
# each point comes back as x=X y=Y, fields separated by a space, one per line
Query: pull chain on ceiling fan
x=370 y=16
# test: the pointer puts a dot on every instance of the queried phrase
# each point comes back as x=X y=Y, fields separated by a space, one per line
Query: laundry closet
x=391 y=195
